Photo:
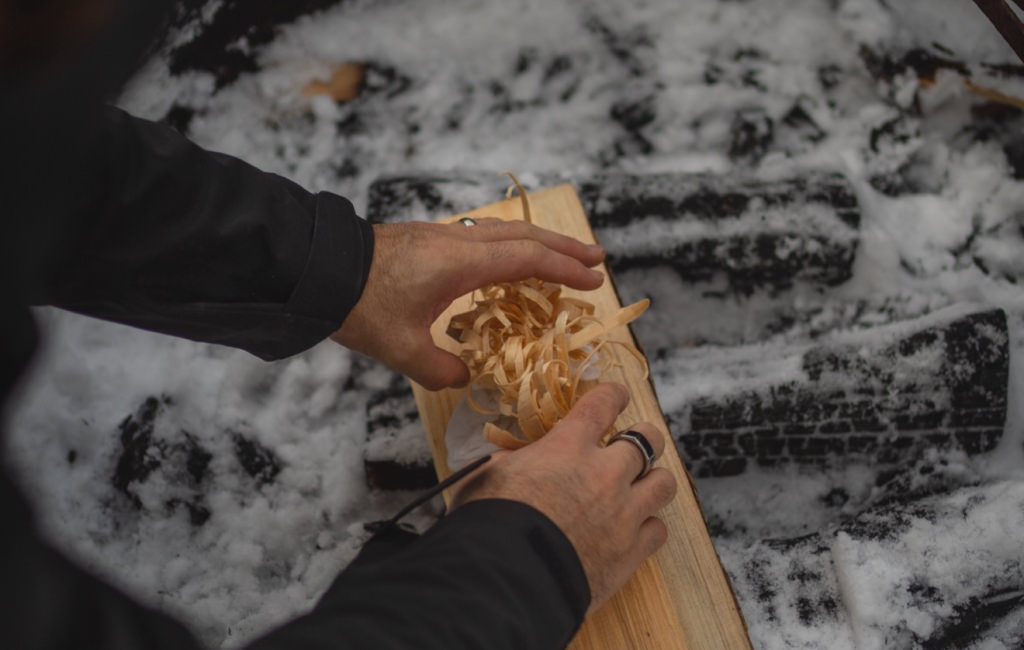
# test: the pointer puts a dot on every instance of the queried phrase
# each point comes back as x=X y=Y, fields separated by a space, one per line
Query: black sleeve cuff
x=338 y=264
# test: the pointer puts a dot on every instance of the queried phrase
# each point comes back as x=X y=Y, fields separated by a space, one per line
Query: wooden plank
x=680 y=598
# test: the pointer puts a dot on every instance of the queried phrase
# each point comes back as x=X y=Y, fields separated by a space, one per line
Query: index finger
x=490 y=229
x=594 y=413
x=519 y=259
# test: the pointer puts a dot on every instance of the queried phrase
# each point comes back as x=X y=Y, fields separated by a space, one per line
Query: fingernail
x=597 y=275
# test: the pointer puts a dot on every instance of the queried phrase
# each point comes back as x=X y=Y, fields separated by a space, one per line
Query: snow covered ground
x=251 y=492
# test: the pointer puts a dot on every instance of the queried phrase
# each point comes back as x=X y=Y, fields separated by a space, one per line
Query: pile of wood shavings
x=532 y=346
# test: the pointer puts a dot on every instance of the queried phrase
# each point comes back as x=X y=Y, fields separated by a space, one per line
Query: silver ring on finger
x=642 y=444
x=468 y=222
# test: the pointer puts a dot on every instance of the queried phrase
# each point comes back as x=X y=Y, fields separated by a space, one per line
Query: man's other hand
x=418 y=269
x=590 y=491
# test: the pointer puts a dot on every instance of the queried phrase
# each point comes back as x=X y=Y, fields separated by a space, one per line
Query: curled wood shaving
x=498 y=436
x=531 y=345
x=527 y=217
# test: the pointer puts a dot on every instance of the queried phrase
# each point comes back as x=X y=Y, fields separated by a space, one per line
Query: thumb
x=436 y=368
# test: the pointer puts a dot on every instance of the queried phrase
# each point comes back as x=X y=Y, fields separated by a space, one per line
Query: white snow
x=267 y=551
x=957 y=26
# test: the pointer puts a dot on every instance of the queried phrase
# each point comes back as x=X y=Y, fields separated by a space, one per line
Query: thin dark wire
x=434 y=491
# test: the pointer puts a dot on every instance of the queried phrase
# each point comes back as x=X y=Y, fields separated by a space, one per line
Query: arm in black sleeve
x=172 y=238
x=126 y=220
x=47 y=603
x=494 y=574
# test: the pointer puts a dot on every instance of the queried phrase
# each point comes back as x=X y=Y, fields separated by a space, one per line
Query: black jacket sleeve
x=48 y=603
x=172 y=238
x=184 y=241
x=495 y=574
x=125 y=219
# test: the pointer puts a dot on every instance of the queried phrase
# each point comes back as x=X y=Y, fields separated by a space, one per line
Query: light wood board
x=680 y=598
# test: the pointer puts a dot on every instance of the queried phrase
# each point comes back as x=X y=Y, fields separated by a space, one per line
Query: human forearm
x=202 y=245
x=494 y=574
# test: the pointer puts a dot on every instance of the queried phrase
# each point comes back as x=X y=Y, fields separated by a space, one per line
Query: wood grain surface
x=680 y=598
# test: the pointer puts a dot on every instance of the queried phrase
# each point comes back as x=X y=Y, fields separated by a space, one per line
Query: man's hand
x=418 y=269
x=587 y=489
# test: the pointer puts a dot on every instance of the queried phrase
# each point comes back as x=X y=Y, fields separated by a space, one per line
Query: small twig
x=1006 y=21
x=994 y=95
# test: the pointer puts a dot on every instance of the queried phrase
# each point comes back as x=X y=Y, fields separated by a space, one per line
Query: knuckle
x=498 y=251
x=608 y=397
x=521 y=257
x=598 y=408
x=533 y=250
x=518 y=228
x=663 y=486
x=590 y=411
x=594 y=407
x=659 y=534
